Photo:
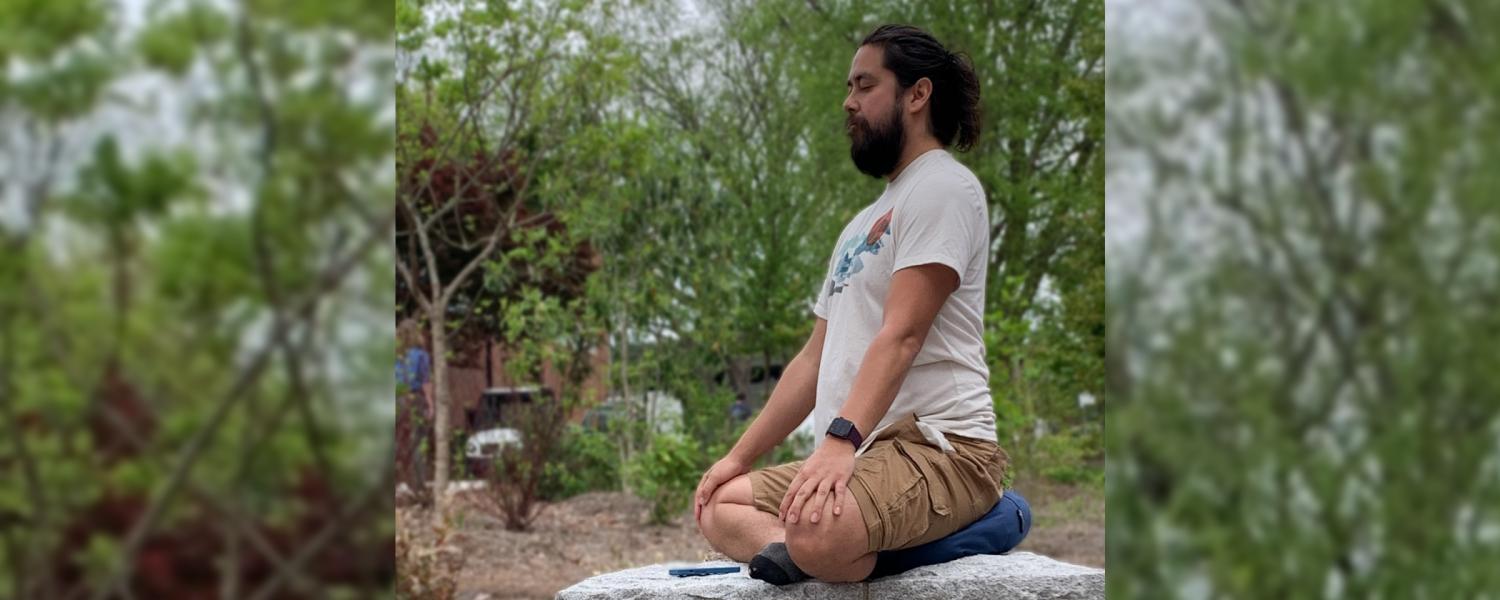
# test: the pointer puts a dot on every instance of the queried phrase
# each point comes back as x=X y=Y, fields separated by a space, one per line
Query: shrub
x=426 y=570
x=514 y=475
x=1062 y=457
x=584 y=461
x=666 y=475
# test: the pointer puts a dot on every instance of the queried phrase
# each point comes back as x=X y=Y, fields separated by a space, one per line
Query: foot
x=774 y=566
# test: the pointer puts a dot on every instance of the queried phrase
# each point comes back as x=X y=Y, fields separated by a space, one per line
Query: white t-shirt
x=934 y=212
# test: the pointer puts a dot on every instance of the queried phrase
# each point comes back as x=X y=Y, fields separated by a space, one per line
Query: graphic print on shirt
x=849 y=262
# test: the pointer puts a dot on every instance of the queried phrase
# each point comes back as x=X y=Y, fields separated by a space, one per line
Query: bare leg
x=733 y=525
x=833 y=549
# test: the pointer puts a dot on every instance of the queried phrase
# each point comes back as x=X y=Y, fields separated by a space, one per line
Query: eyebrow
x=858 y=76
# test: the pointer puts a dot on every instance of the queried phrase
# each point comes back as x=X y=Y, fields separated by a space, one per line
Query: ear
x=918 y=95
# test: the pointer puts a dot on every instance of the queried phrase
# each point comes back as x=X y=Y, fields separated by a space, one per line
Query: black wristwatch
x=845 y=429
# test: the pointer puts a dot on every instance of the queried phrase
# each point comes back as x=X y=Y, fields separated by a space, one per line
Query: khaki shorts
x=909 y=491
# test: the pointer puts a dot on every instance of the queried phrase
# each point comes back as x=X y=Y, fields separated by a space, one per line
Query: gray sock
x=774 y=566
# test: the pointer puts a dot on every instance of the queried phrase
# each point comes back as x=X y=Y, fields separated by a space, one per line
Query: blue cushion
x=996 y=532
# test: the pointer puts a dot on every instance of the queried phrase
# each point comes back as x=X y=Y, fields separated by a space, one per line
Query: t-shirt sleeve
x=941 y=222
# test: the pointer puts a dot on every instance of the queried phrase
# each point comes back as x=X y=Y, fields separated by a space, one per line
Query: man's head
x=410 y=334
x=904 y=85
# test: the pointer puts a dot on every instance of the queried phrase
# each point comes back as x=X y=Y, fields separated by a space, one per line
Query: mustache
x=853 y=120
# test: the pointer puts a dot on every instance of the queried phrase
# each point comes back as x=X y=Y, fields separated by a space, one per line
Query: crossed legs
x=832 y=550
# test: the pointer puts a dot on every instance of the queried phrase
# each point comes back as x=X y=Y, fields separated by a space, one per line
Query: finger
x=707 y=486
x=828 y=506
x=795 y=513
x=839 y=492
x=786 y=500
x=819 y=502
x=705 y=489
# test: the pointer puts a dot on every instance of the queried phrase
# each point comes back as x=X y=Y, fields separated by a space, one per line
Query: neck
x=917 y=147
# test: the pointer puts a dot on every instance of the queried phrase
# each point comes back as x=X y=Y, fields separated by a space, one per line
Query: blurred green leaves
x=35 y=30
x=178 y=248
x=113 y=192
x=1299 y=340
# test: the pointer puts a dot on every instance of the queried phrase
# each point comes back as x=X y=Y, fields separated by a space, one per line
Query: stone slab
x=1018 y=575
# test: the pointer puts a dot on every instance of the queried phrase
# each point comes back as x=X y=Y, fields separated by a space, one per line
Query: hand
x=824 y=479
x=726 y=469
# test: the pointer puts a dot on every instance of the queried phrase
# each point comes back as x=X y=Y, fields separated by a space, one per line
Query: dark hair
x=913 y=54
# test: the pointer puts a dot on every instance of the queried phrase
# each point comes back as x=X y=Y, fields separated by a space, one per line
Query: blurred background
x=194 y=296
x=1304 y=261
x=613 y=219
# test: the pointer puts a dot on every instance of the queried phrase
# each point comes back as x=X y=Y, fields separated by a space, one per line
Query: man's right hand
x=726 y=469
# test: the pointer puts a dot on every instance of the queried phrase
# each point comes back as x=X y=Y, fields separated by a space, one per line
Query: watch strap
x=853 y=434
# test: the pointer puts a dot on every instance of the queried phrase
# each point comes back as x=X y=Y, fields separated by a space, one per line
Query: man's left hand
x=823 y=480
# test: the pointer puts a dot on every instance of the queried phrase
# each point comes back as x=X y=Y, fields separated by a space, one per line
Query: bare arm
x=916 y=296
x=912 y=304
x=791 y=401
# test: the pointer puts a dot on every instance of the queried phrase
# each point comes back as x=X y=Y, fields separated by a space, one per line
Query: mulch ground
x=603 y=532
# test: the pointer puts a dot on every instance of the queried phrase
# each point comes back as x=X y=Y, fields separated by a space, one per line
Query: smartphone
x=701 y=571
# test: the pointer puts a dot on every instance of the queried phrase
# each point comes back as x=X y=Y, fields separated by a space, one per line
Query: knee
x=812 y=547
x=736 y=491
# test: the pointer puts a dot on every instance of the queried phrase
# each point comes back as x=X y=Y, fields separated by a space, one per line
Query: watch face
x=840 y=427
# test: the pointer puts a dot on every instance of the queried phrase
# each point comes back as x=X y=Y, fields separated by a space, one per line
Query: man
x=415 y=409
x=740 y=410
x=894 y=371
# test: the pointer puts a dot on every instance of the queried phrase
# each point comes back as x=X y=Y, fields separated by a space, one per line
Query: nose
x=849 y=105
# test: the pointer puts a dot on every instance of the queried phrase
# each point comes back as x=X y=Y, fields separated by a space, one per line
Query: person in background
x=740 y=410
x=415 y=406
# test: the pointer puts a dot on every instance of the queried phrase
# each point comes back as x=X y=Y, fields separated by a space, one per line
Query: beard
x=877 y=149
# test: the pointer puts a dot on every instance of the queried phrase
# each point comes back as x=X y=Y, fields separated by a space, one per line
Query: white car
x=657 y=407
x=488 y=443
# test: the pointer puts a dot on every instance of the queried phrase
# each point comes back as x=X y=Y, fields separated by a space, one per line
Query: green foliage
x=1010 y=419
x=182 y=259
x=667 y=473
x=584 y=461
x=1064 y=457
x=1301 y=387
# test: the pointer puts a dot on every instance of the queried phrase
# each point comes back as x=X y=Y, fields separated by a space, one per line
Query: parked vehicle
x=655 y=406
x=493 y=420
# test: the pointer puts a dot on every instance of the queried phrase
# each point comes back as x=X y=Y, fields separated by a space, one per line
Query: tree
x=167 y=287
x=492 y=138
x=473 y=322
x=1301 y=415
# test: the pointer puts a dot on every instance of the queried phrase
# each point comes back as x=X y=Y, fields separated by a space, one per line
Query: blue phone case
x=701 y=571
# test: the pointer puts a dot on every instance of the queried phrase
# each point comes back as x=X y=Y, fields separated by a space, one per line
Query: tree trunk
x=626 y=440
x=440 y=424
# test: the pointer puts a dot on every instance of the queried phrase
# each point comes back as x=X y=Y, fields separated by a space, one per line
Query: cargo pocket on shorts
x=899 y=493
x=937 y=498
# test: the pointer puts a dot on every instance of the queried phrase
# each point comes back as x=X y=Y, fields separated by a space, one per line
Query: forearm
x=794 y=397
x=878 y=380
